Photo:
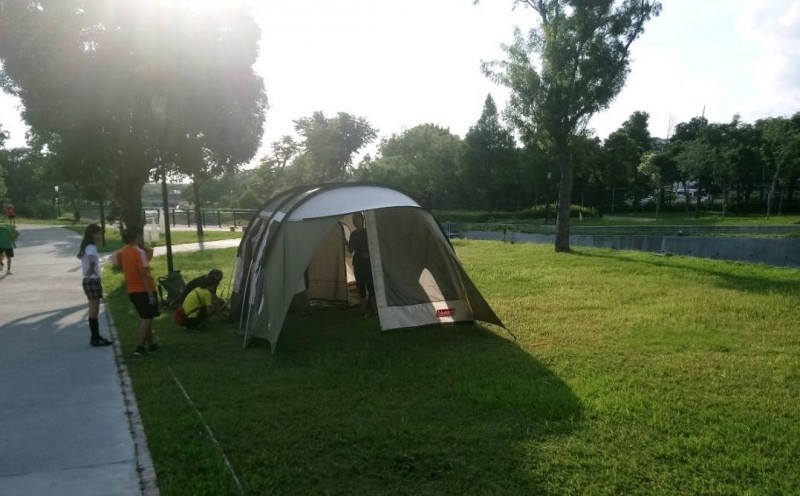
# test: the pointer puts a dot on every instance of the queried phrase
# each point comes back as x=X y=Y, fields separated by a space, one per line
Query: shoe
x=9 y=272
x=101 y=341
x=139 y=351
x=153 y=347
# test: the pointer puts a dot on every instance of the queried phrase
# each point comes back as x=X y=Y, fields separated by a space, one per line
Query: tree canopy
x=87 y=71
x=564 y=71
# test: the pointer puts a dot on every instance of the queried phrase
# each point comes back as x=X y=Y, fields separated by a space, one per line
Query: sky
x=410 y=62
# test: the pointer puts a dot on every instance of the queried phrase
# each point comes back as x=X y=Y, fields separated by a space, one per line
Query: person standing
x=11 y=213
x=92 y=286
x=6 y=247
x=135 y=262
x=362 y=267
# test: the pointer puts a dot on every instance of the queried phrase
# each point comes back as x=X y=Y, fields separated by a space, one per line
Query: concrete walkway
x=65 y=426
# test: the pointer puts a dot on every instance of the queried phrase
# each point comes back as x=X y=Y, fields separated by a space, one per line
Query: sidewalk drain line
x=208 y=430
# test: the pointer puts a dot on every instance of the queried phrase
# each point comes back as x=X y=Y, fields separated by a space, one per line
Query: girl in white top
x=92 y=287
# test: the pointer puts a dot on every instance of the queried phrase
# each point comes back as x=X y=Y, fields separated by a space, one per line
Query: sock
x=94 y=327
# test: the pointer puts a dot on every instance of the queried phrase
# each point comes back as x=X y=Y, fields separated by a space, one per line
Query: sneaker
x=101 y=341
x=153 y=347
x=9 y=272
x=139 y=351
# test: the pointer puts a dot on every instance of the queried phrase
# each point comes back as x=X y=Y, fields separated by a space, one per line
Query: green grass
x=680 y=218
x=114 y=239
x=632 y=374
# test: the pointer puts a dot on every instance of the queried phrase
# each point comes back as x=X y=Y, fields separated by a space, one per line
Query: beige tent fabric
x=418 y=279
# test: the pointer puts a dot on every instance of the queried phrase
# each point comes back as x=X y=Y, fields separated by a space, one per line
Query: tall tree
x=489 y=161
x=583 y=48
x=86 y=72
x=780 y=149
x=330 y=143
x=421 y=161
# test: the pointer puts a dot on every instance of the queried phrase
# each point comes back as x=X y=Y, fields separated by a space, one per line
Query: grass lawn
x=680 y=219
x=114 y=239
x=632 y=374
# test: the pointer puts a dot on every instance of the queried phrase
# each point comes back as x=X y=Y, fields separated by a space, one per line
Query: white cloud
x=773 y=27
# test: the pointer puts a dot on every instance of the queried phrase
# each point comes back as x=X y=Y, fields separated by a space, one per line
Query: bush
x=37 y=209
x=538 y=211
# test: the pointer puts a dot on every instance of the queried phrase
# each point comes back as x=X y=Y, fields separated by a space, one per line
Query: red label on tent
x=445 y=312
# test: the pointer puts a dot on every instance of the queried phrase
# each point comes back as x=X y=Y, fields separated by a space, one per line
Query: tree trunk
x=724 y=202
x=129 y=199
x=103 y=220
x=198 y=214
x=696 y=201
x=564 y=199
x=686 y=198
x=771 y=194
x=128 y=193
x=76 y=203
x=659 y=198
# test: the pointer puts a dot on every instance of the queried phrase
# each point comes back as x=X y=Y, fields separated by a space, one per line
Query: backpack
x=180 y=316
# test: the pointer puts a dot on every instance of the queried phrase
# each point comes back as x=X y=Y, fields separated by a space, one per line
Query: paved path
x=64 y=426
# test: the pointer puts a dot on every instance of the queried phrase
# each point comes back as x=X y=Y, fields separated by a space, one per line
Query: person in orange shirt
x=135 y=261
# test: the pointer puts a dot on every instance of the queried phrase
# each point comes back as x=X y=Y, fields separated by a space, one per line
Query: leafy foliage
x=423 y=161
x=87 y=71
x=489 y=162
x=583 y=48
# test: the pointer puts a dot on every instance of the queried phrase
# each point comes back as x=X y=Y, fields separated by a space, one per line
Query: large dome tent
x=296 y=244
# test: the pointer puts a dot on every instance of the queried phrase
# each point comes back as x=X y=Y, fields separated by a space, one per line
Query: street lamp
x=58 y=209
x=159 y=107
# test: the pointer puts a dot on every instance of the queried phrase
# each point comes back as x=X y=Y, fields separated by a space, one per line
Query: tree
x=330 y=143
x=658 y=167
x=489 y=161
x=637 y=128
x=271 y=175
x=86 y=72
x=421 y=161
x=780 y=149
x=583 y=46
x=683 y=147
x=622 y=158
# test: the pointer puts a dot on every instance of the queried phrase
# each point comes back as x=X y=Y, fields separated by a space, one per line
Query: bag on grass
x=180 y=316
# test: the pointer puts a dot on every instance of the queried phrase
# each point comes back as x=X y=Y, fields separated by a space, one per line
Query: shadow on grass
x=343 y=408
x=742 y=276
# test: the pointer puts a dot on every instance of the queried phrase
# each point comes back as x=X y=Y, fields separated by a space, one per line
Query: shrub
x=538 y=211
x=37 y=209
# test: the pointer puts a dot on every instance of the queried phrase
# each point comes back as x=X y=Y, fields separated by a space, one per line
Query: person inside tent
x=362 y=267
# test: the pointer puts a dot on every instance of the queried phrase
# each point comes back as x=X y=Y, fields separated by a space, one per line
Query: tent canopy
x=295 y=245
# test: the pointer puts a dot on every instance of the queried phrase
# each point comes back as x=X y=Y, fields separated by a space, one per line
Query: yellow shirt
x=195 y=300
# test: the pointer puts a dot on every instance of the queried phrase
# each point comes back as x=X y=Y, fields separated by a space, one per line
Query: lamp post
x=58 y=209
x=159 y=107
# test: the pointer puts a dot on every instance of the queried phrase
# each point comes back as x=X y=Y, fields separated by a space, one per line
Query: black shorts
x=364 y=283
x=8 y=251
x=92 y=288
x=141 y=301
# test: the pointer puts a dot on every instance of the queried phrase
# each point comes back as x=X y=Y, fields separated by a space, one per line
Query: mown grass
x=632 y=374
x=680 y=218
x=114 y=241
